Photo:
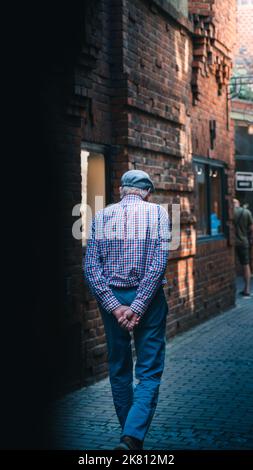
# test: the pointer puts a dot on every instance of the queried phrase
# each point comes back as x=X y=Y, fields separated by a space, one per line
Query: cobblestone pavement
x=206 y=395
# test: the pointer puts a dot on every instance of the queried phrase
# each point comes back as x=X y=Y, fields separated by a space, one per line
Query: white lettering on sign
x=244 y=181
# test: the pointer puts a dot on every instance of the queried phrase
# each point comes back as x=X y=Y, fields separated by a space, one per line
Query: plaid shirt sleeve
x=153 y=278
x=94 y=274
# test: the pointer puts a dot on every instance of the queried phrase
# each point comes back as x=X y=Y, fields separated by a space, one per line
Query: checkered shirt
x=128 y=246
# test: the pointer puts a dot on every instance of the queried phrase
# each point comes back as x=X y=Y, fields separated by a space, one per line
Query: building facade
x=242 y=99
x=241 y=94
x=145 y=87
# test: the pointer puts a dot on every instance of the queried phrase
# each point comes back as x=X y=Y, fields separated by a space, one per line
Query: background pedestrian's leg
x=247 y=277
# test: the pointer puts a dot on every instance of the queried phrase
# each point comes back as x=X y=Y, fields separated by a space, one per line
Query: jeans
x=135 y=405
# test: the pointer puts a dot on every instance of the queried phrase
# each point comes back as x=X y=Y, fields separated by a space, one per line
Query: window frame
x=221 y=166
x=106 y=151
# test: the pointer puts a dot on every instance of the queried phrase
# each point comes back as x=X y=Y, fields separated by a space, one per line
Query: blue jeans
x=135 y=406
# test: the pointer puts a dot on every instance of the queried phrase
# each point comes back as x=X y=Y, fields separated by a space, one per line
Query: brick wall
x=156 y=128
x=157 y=119
x=159 y=102
x=243 y=52
x=213 y=45
x=244 y=28
x=145 y=86
x=221 y=15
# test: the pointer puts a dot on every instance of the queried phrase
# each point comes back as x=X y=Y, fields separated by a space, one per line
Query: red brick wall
x=133 y=89
x=244 y=28
x=156 y=128
x=222 y=15
x=157 y=62
x=212 y=49
x=242 y=106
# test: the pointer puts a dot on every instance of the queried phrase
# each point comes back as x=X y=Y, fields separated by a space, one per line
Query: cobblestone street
x=206 y=396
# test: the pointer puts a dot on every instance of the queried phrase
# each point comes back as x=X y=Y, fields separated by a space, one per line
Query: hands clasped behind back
x=126 y=318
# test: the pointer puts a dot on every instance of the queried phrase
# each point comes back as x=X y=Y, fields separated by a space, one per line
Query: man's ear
x=148 y=195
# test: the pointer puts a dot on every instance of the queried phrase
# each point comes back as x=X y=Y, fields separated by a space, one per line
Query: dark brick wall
x=141 y=87
x=159 y=106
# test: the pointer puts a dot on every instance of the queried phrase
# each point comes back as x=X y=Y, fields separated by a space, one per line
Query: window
x=180 y=5
x=202 y=225
x=93 y=187
x=210 y=199
x=215 y=201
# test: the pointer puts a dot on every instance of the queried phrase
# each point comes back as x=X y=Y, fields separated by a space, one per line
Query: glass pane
x=93 y=188
x=202 y=217
x=216 y=201
x=180 y=5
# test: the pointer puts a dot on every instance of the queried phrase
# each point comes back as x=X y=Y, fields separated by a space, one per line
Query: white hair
x=132 y=190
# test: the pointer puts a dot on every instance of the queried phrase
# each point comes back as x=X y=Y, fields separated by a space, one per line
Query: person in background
x=243 y=223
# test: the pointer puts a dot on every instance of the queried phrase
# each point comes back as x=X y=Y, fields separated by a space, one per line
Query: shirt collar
x=131 y=198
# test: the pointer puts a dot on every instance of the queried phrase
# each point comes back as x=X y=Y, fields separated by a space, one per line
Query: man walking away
x=125 y=263
x=243 y=222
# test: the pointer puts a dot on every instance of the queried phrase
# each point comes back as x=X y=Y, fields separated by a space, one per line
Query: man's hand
x=129 y=319
x=126 y=318
x=118 y=312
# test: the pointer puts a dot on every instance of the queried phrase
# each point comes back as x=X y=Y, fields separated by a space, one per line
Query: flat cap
x=137 y=179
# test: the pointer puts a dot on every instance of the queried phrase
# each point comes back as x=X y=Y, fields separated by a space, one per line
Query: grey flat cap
x=137 y=179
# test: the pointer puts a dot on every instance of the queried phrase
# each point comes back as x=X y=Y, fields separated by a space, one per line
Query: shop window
x=202 y=225
x=210 y=199
x=216 y=222
x=93 y=187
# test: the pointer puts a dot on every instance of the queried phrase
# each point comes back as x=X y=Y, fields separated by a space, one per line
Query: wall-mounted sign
x=244 y=181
